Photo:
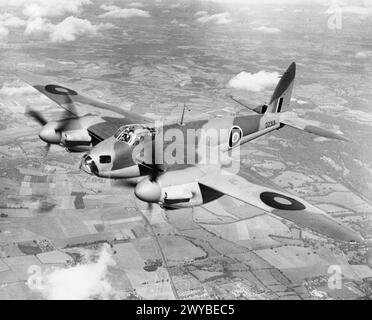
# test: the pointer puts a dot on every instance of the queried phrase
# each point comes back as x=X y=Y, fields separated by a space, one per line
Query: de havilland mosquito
x=171 y=157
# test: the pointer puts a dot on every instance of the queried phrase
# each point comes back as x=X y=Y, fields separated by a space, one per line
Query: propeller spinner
x=148 y=189
x=51 y=132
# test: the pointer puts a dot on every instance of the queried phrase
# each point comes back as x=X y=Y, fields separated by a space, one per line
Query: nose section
x=148 y=191
x=49 y=134
x=88 y=165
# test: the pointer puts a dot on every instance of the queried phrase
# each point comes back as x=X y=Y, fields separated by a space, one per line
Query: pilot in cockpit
x=128 y=134
x=132 y=134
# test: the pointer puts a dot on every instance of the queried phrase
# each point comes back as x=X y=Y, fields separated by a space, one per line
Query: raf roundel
x=52 y=88
x=235 y=135
x=280 y=201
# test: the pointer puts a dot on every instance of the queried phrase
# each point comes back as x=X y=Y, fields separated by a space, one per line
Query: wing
x=78 y=105
x=280 y=203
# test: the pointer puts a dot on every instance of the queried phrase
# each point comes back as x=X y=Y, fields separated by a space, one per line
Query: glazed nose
x=88 y=165
x=49 y=134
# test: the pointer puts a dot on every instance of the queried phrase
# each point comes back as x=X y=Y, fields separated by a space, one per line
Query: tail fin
x=283 y=91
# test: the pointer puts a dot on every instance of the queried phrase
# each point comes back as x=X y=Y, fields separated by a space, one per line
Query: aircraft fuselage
x=176 y=146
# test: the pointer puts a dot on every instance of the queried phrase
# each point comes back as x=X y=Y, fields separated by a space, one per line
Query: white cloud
x=48 y=8
x=108 y=7
x=10 y=90
x=201 y=13
x=9 y=20
x=81 y=282
x=254 y=82
x=37 y=12
x=136 y=4
x=363 y=54
x=267 y=29
x=37 y=25
x=116 y=12
x=66 y=30
x=218 y=18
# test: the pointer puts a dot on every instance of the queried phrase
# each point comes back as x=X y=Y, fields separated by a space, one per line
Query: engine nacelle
x=173 y=196
x=148 y=191
x=75 y=138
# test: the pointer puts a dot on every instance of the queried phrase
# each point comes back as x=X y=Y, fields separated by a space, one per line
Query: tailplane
x=292 y=120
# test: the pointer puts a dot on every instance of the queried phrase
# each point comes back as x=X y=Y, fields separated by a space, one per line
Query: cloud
x=218 y=18
x=136 y=4
x=116 y=12
x=201 y=13
x=37 y=13
x=37 y=25
x=254 y=82
x=81 y=282
x=10 y=90
x=9 y=20
x=48 y=8
x=267 y=29
x=175 y=5
x=363 y=54
x=70 y=28
x=66 y=30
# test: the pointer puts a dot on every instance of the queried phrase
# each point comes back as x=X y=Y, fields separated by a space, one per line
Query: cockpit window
x=133 y=134
x=105 y=159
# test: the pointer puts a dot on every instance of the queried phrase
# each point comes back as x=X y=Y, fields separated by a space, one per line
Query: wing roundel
x=279 y=203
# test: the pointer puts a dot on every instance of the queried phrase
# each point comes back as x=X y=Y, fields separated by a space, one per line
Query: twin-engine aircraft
x=184 y=164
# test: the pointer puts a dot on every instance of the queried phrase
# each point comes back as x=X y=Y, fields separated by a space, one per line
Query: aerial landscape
x=152 y=57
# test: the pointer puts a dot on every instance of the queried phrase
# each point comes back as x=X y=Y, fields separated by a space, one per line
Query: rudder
x=281 y=97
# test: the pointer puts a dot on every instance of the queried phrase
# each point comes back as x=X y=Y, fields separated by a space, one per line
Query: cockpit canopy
x=133 y=134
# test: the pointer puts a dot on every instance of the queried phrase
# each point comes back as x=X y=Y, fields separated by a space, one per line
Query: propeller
x=156 y=168
x=47 y=149
x=69 y=114
x=51 y=133
x=155 y=172
x=148 y=189
x=37 y=116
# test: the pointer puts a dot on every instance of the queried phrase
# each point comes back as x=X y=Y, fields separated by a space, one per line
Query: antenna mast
x=183 y=115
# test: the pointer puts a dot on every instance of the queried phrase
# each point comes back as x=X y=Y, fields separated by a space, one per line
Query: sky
x=64 y=21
